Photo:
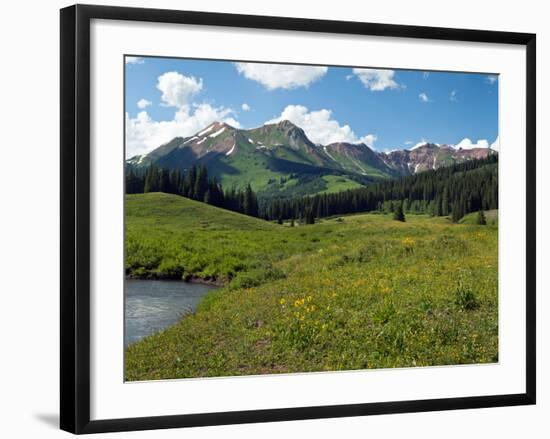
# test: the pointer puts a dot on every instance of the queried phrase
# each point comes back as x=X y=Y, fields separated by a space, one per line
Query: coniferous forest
x=455 y=190
x=195 y=184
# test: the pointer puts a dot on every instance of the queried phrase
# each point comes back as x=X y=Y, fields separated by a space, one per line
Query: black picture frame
x=75 y=217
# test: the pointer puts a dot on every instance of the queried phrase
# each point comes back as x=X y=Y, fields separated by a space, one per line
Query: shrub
x=465 y=298
x=140 y=272
x=171 y=269
x=255 y=277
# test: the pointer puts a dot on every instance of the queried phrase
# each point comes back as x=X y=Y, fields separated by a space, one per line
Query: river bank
x=153 y=305
x=191 y=279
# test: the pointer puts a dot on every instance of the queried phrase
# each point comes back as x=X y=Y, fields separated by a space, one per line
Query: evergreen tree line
x=455 y=190
x=194 y=184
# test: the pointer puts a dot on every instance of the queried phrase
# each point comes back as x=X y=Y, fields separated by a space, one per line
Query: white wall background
x=29 y=206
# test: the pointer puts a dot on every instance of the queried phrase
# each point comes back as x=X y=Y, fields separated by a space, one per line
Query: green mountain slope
x=277 y=160
x=280 y=160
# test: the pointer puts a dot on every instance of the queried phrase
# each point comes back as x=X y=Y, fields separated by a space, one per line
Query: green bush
x=170 y=268
x=256 y=277
x=465 y=298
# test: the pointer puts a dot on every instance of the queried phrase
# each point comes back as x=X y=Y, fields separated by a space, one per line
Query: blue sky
x=386 y=109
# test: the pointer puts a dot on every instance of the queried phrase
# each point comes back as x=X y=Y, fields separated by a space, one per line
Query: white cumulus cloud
x=144 y=134
x=496 y=144
x=468 y=144
x=491 y=79
x=286 y=76
x=320 y=127
x=143 y=103
x=177 y=89
x=376 y=80
x=133 y=60
x=423 y=97
x=245 y=107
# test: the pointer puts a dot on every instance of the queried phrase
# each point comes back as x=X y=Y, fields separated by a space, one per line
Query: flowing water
x=152 y=305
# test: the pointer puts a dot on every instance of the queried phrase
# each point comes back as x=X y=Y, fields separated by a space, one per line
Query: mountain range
x=280 y=160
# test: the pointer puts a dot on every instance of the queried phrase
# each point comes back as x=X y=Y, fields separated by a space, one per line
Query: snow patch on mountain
x=358 y=165
x=136 y=160
x=206 y=130
x=231 y=150
x=217 y=133
x=327 y=153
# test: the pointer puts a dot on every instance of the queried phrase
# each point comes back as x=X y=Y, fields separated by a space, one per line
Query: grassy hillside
x=168 y=236
x=352 y=292
x=336 y=183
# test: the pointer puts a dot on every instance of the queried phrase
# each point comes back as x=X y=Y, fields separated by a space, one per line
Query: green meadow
x=350 y=292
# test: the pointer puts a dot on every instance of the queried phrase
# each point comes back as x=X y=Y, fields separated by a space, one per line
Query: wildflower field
x=351 y=292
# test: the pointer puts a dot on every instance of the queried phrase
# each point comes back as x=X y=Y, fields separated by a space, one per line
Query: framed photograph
x=268 y=218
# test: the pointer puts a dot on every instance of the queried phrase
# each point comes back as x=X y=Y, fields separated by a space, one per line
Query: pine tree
x=398 y=214
x=445 y=201
x=151 y=180
x=481 y=221
x=438 y=211
x=201 y=183
x=310 y=216
x=250 y=202
x=455 y=214
x=190 y=181
x=164 y=181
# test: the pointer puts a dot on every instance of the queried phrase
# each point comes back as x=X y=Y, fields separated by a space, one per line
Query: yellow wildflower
x=407 y=242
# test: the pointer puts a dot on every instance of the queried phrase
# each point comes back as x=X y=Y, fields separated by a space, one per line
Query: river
x=152 y=305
